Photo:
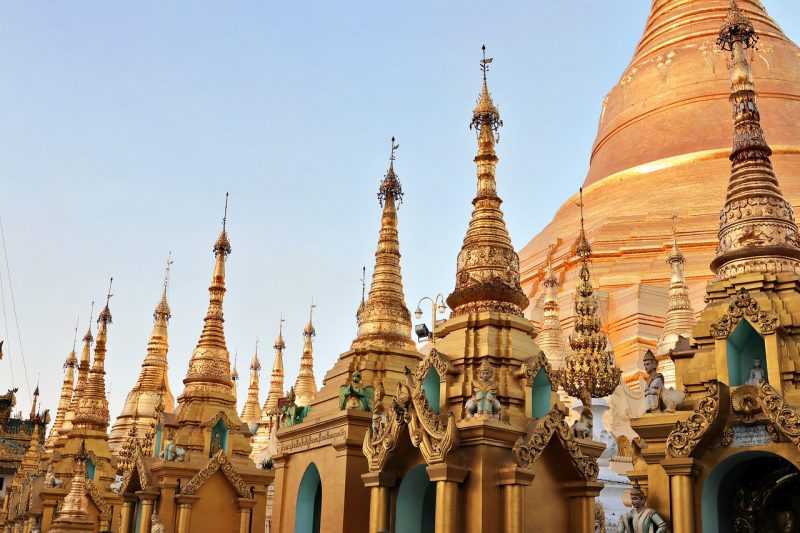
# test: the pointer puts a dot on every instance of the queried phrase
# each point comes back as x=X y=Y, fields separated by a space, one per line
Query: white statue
x=155 y=523
x=50 y=479
x=582 y=428
x=757 y=375
x=656 y=395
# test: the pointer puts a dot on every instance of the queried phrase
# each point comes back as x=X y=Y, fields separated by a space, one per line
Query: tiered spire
x=305 y=387
x=384 y=318
x=680 y=317
x=83 y=376
x=93 y=404
x=152 y=390
x=251 y=412
x=209 y=367
x=66 y=395
x=589 y=369
x=276 y=379
x=487 y=276
x=73 y=516
x=551 y=338
x=757 y=230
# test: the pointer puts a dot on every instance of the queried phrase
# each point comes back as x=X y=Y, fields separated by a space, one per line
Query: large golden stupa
x=661 y=150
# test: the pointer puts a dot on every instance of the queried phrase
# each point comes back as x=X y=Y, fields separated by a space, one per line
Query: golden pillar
x=48 y=513
x=245 y=510
x=147 y=499
x=447 y=478
x=185 y=512
x=166 y=505
x=512 y=482
x=126 y=515
x=581 y=496
x=681 y=472
x=379 y=484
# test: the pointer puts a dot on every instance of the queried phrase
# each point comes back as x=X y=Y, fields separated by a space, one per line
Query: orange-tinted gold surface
x=662 y=148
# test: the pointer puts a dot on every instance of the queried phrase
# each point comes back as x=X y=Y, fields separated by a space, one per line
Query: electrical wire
x=14 y=310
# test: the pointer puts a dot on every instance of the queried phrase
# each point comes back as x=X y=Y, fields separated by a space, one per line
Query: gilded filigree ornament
x=97 y=498
x=743 y=305
x=381 y=438
x=784 y=417
x=687 y=434
x=436 y=360
x=219 y=462
x=530 y=369
x=589 y=370
x=528 y=449
x=745 y=402
x=727 y=437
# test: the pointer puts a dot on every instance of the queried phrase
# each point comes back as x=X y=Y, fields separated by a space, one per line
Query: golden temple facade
x=650 y=137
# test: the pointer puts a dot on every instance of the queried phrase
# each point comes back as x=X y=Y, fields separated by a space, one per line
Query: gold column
x=512 y=482
x=581 y=496
x=147 y=499
x=447 y=478
x=681 y=472
x=166 y=505
x=125 y=515
x=379 y=484
x=245 y=508
x=185 y=513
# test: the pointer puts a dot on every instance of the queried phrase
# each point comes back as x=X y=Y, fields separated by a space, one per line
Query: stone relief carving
x=219 y=462
x=684 y=438
x=744 y=306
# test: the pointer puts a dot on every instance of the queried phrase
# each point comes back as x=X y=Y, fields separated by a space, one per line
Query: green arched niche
x=90 y=468
x=541 y=394
x=416 y=503
x=430 y=385
x=219 y=438
x=745 y=345
x=308 y=510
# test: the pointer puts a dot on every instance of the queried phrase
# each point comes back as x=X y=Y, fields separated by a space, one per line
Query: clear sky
x=122 y=127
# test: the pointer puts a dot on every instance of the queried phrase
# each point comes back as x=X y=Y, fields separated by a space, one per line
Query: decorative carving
x=220 y=462
x=291 y=413
x=745 y=403
x=484 y=393
x=783 y=417
x=684 y=438
x=530 y=369
x=742 y=305
x=436 y=360
x=528 y=449
x=727 y=437
x=97 y=498
x=434 y=435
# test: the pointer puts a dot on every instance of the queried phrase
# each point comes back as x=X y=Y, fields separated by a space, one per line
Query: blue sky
x=123 y=126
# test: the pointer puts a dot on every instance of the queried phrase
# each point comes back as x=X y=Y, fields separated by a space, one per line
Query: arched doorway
x=751 y=492
x=416 y=503
x=308 y=510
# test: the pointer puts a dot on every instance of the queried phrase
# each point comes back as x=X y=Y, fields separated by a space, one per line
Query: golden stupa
x=664 y=134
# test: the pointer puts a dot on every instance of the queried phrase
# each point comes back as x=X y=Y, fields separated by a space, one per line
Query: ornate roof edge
x=219 y=462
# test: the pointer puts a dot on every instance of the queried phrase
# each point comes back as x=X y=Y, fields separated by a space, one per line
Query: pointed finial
x=225 y=215
x=235 y=372
x=167 y=270
x=485 y=62
x=583 y=249
x=88 y=337
x=279 y=342
x=363 y=282
x=485 y=112
x=105 y=314
x=75 y=337
x=390 y=186
x=309 y=330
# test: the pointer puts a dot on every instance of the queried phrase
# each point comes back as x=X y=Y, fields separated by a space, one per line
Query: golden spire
x=680 y=317
x=65 y=397
x=251 y=412
x=276 y=379
x=589 y=369
x=151 y=390
x=35 y=401
x=93 y=404
x=83 y=375
x=210 y=362
x=384 y=317
x=551 y=339
x=305 y=385
x=487 y=274
x=73 y=510
x=757 y=231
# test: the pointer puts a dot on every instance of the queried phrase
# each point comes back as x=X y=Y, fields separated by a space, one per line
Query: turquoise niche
x=90 y=468
x=219 y=438
x=541 y=394
x=416 y=502
x=745 y=347
x=157 y=446
x=430 y=386
x=308 y=510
